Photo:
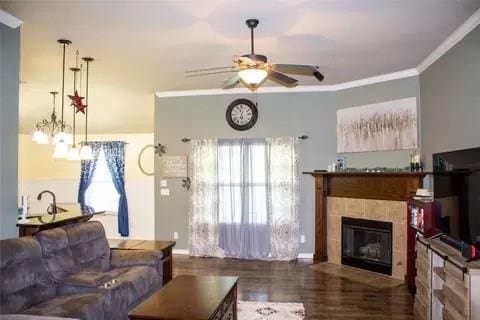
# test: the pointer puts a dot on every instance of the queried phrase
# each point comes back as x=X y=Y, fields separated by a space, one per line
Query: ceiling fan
x=253 y=69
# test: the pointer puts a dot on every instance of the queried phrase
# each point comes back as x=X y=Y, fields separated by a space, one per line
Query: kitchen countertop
x=73 y=211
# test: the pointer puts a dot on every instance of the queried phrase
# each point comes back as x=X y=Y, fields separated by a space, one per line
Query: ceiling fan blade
x=300 y=69
x=193 y=75
x=232 y=82
x=210 y=69
x=282 y=79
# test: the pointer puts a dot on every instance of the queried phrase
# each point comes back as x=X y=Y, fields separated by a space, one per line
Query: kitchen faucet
x=53 y=206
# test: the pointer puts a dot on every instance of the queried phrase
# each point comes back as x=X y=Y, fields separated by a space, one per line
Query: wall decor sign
x=174 y=166
x=389 y=125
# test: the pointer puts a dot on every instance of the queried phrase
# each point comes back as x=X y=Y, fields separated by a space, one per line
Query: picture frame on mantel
x=383 y=126
x=174 y=166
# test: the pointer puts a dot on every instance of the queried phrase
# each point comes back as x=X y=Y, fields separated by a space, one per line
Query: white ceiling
x=144 y=47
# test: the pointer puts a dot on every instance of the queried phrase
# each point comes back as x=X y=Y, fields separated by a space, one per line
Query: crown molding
x=452 y=40
x=320 y=88
x=377 y=79
x=9 y=20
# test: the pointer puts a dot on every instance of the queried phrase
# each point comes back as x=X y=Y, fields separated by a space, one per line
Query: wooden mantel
x=397 y=186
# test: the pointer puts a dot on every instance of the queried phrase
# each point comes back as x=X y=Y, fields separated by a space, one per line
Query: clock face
x=242 y=114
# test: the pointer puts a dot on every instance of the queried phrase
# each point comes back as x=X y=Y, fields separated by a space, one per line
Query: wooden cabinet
x=422 y=282
x=447 y=286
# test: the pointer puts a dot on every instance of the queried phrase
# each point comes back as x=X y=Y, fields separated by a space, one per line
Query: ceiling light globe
x=37 y=136
x=59 y=136
x=61 y=150
x=68 y=138
x=43 y=139
x=73 y=154
x=253 y=77
x=86 y=153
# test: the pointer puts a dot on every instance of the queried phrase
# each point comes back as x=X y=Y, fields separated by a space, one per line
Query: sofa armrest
x=128 y=258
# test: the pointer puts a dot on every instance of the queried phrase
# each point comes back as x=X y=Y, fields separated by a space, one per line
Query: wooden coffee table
x=191 y=298
x=164 y=246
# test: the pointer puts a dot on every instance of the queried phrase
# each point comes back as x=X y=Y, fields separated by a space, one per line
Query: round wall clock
x=242 y=114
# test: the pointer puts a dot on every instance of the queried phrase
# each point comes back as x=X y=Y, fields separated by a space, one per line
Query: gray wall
x=280 y=114
x=450 y=99
x=9 y=79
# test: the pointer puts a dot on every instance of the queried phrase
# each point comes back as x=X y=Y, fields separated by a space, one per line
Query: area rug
x=258 y=310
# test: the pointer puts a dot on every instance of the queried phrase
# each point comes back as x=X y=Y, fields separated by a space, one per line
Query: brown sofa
x=71 y=272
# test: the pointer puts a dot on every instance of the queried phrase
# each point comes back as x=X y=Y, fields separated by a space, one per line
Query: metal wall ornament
x=160 y=150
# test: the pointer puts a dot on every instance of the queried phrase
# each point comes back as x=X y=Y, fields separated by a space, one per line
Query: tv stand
x=451 y=242
x=448 y=287
x=473 y=259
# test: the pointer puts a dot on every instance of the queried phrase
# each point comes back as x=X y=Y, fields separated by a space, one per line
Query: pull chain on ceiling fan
x=253 y=69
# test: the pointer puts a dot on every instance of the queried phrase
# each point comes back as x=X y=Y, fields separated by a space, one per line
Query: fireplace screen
x=367 y=244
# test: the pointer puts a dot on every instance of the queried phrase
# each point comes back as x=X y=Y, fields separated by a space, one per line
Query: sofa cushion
x=89 y=306
x=138 y=282
x=129 y=258
x=87 y=279
x=24 y=278
x=89 y=246
x=56 y=253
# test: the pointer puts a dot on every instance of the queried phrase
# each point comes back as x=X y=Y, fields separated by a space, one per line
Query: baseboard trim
x=300 y=255
x=305 y=256
x=180 y=251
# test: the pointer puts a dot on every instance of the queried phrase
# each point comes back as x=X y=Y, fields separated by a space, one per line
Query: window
x=101 y=194
x=242 y=182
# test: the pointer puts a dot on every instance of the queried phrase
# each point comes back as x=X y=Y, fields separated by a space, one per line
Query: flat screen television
x=456 y=186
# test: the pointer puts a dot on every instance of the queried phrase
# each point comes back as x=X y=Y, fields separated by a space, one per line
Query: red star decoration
x=77 y=102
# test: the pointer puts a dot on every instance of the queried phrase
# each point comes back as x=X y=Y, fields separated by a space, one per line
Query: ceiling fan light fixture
x=253 y=77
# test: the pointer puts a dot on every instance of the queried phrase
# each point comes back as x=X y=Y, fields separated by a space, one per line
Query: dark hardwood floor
x=325 y=296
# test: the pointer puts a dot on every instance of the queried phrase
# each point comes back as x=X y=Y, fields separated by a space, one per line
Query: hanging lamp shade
x=86 y=153
x=40 y=137
x=73 y=154
x=65 y=137
x=61 y=150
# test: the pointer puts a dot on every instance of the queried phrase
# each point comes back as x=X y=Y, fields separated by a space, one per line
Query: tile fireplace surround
x=379 y=210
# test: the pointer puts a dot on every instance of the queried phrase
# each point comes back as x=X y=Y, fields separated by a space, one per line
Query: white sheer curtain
x=203 y=224
x=244 y=202
x=282 y=162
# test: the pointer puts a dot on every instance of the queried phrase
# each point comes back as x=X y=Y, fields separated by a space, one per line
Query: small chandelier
x=47 y=129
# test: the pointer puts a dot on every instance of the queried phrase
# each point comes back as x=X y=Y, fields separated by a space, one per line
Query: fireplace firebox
x=367 y=244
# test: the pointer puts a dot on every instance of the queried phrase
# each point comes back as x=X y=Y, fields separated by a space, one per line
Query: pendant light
x=61 y=139
x=74 y=154
x=86 y=150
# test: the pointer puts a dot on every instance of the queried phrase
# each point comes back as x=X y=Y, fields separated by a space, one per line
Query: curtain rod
x=302 y=137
